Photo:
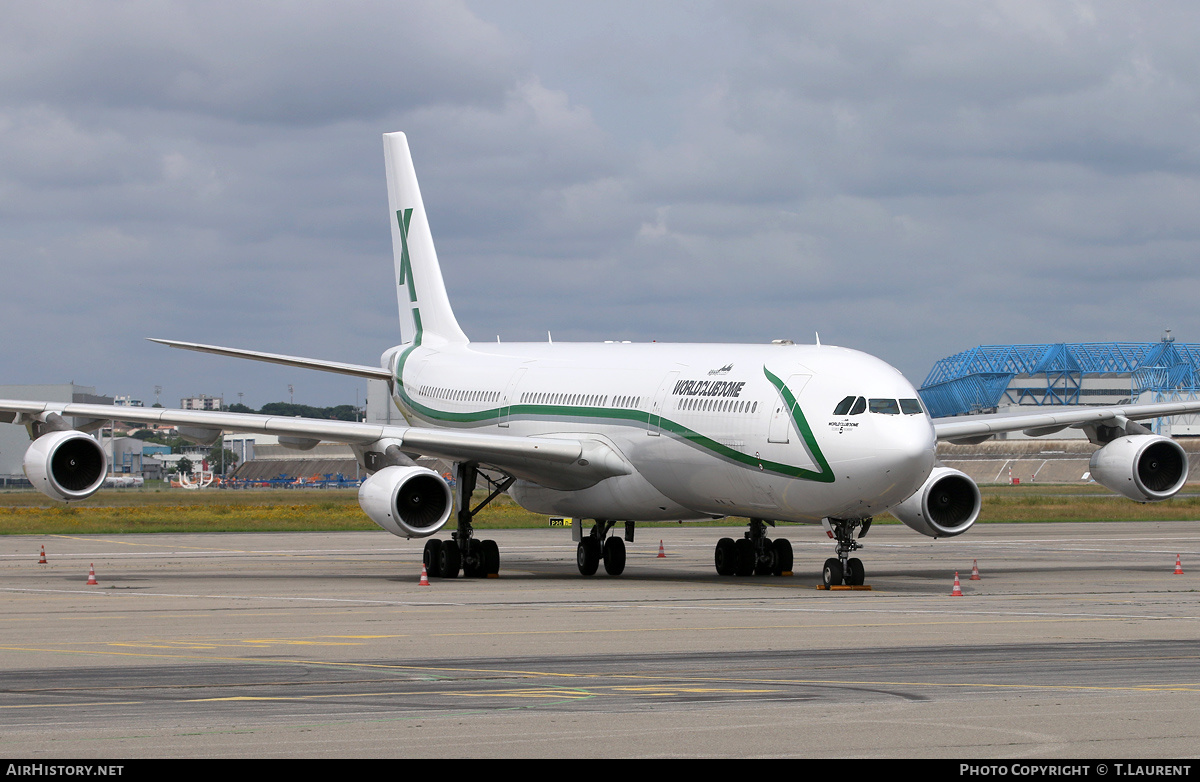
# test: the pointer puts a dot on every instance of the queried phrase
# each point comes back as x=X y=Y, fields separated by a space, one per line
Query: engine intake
x=946 y=505
x=66 y=465
x=1145 y=468
x=411 y=502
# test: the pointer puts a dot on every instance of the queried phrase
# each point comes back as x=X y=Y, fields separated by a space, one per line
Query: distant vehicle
x=124 y=481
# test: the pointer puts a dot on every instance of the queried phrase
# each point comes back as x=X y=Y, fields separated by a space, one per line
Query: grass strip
x=125 y=511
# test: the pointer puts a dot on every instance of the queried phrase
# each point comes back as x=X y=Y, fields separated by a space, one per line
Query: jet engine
x=411 y=502
x=946 y=505
x=66 y=465
x=1146 y=468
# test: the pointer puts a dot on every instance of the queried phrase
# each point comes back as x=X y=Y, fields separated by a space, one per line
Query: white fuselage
x=708 y=430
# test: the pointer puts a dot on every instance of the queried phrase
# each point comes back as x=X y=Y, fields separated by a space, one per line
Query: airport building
x=201 y=402
x=1003 y=378
x=131 y=456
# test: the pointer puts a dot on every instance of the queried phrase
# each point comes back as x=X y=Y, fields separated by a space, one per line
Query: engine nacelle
x=411 y=502
x=66 y=465
x=946 y=505
x=1145 y=467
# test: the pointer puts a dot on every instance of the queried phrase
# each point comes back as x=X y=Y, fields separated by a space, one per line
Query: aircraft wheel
x=783 y=556
x=743 y=550
x=856 y=574
x=587 y=556
x=432 y=558
x=832 y=572
x=489 y=553
x=725 y=558
x=614 y=556
x=449 y=559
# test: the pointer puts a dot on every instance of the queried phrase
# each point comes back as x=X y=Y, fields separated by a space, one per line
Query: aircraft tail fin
x=424 y=306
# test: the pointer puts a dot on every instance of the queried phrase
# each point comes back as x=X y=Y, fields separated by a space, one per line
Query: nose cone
x=881 y=445
x=903 y=447
x=910 y=451
x=906 y=455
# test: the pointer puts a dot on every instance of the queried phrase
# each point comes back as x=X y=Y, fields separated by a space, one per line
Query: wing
x=976 y=428
x=553 y=462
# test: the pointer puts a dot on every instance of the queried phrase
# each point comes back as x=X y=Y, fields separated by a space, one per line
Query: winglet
x=424 y=306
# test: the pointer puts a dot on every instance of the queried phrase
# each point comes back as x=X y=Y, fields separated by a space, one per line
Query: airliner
x=619 y=433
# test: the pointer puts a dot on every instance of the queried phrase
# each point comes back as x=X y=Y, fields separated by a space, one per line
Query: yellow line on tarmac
x=794 y=626
x=1182 y=687
x=319 y=640
x=73 y=705
x=654 y=689
x=533 y=692
x=537 y=692
x=165 y=645
x=132 y=543
x=290 y=661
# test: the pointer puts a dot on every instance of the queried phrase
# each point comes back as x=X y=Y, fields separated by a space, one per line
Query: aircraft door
x=509 y=394
x=780 y=427
x=408 y=383
x=654 y=424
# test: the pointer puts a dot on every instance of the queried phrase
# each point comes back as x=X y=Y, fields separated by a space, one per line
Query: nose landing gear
x=845 y=568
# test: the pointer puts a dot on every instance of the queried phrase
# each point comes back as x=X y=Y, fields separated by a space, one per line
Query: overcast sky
x=906 y=178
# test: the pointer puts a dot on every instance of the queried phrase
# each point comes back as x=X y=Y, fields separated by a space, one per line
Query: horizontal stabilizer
x=338 y=367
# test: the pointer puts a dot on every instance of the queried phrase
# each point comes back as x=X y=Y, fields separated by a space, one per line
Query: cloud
x=289 y=63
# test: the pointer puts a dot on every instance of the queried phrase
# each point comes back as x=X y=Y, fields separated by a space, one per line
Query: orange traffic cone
x=42 y=561
x=92 y=576
x=1178 y=567
x=975 y=570
x=424 y=582
x=661 y=554
x=957 y=591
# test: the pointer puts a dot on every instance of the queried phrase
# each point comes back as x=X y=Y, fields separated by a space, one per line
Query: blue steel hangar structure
x=988 y=377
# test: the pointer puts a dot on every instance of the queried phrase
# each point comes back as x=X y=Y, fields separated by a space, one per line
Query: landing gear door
x=654 y=424
x=781 y=413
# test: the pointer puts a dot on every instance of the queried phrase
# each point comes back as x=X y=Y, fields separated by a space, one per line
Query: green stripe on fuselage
x=625 y=416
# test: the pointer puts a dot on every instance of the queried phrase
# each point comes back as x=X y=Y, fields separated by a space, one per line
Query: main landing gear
x=476 y=558
x=845 y=568
x=754 y=554
x=595 y=547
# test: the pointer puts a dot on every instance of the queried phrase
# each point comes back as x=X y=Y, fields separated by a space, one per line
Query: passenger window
x=910 y=407
x=860 y=406
x=885 y=406
x=844 y=406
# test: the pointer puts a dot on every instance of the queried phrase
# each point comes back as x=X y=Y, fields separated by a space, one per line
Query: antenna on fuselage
x=818 y=338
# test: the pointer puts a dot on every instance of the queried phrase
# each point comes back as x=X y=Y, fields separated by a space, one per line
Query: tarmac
x=1078 y=641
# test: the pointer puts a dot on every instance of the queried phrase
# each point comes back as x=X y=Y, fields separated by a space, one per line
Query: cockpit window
x=860 y=406
x=844 y=406
x=885 y=406
x=910 y=407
